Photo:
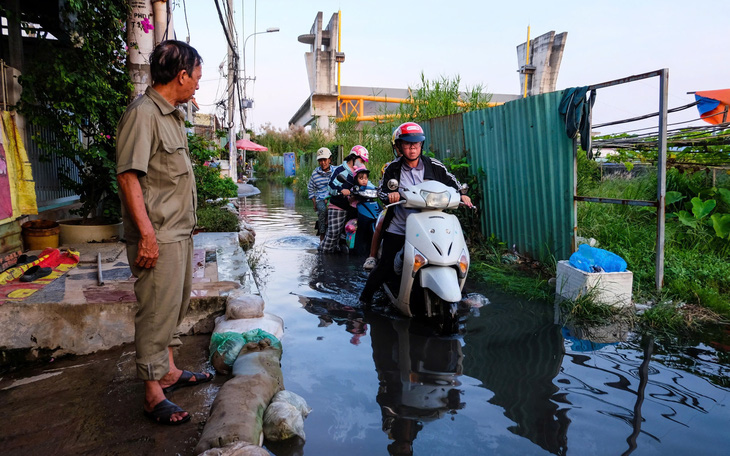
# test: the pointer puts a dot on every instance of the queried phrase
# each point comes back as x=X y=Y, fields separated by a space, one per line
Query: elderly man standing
x=318 y=189
x=157 y=188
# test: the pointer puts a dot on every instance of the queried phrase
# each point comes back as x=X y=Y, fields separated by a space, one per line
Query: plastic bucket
x=40 y=234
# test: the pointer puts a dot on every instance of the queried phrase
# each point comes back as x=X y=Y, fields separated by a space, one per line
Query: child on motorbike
x=337 y=212
x=361 y=175
x=367 y=206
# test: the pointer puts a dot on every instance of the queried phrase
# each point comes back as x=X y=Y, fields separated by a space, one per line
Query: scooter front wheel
x=444 y=313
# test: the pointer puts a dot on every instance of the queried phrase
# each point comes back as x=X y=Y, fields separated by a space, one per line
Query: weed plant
x=521 y=278
x=696 y=266
x=216 y=219
x=585 y=311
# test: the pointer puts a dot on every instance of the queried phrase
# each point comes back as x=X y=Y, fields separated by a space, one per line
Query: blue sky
x=389 y=43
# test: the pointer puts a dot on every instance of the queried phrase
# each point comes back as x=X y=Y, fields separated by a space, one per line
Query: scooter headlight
x=433 y=199
x=369 y=193
x=419 y=261
x=463 y=264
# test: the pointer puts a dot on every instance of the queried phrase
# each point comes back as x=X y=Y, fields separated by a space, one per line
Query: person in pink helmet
x=337 y=212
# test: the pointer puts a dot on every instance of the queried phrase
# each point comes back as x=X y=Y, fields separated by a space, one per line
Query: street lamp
x=246 y=102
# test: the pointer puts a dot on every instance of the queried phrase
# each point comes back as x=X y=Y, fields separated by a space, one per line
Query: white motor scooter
x=435 y=255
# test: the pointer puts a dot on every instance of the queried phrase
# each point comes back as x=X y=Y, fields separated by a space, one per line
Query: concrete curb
x=74 y=315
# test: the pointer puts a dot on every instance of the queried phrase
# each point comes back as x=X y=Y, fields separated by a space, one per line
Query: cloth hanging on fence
x=17 y=170
x=713 y=105
x=576 y=112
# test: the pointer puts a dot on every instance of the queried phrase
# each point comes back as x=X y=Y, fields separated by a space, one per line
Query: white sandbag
x=283 y=421
x=237 y=449
x=294 y=399
x=270 y=323
x=241 y=304
x=237 y=411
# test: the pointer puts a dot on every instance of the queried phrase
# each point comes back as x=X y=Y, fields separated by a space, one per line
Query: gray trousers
x=163 y=297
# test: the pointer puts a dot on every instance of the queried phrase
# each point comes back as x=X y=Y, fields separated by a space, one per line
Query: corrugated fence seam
x=528 y=177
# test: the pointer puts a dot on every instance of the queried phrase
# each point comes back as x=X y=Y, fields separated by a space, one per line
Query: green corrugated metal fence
x=525 y=161
x=445 y=136
x=528 y=173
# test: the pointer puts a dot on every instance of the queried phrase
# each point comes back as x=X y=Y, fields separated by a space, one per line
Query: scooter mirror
x=464 y=188
x=392 y=184
x=341 y=178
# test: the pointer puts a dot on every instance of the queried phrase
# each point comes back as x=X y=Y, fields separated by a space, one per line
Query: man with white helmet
x=318 y=188
x=410 y=168
x=339 y=206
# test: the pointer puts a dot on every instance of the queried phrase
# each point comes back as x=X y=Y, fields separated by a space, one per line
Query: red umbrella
x=245 y=144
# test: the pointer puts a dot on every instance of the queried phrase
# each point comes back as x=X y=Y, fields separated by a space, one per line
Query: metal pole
x=661 y=176
x=527 y=60
x=245 y=78
x=100 y=278
x=339 y=47
x=574 y=242
x=245 y=81
x=232 y=66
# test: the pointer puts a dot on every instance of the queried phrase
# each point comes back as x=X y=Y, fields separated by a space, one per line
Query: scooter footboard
x=443 y=281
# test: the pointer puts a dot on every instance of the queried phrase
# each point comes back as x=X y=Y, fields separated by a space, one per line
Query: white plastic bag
x=283 y=421
x=294 y=399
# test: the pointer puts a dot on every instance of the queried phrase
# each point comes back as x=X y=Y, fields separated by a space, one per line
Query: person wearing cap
x=339 y=206
x=411 y=168
x=318 y=188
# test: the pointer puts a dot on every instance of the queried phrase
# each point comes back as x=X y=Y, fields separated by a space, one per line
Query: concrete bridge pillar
x=321 y=61
x=546 y=53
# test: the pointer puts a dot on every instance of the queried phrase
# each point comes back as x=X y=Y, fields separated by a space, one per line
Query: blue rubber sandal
x=184 y=380
x=162 y=413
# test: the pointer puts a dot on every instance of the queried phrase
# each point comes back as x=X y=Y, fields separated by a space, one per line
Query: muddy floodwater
x=515 y=383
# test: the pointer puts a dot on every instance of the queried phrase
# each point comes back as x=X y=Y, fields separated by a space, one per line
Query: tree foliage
x=209 y=183
x=77 y=86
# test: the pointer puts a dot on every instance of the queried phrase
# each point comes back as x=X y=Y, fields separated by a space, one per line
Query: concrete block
x=613 y=288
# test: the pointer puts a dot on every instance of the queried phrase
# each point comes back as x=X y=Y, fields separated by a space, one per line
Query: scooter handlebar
x=396 y=203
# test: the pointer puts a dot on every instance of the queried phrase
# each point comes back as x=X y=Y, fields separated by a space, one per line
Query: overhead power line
x=225 y=29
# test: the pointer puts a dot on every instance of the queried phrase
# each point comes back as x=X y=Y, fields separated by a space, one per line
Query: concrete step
x=78 y=314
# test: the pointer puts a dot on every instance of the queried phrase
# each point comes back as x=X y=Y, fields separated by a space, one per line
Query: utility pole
x=141 y=45
x=232 y=70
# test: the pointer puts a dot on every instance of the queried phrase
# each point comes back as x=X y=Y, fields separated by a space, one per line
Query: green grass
x=696 y=291
x=512 y=280
x=586 y=312
x=519 y=279
x=696 y=262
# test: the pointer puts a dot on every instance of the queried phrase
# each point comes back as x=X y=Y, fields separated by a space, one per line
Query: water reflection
x=520 y=352
x=518 y=384
x=418 y=378
x=330 y=311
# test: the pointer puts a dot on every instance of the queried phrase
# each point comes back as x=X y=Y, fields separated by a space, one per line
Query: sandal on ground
x=184 y=380
x=369 y=264
x=34 y=273
x=162 y=413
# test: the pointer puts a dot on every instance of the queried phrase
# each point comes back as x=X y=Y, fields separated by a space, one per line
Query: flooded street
x=515 y=383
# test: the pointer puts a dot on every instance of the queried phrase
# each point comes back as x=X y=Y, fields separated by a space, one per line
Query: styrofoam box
x=613 y=288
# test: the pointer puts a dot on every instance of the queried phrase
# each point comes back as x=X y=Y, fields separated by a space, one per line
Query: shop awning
x=245 y=144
